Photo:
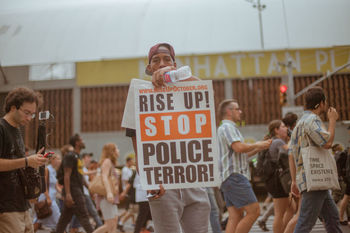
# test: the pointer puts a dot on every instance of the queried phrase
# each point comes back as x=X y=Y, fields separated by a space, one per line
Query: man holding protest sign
x=234 y=153
x=174 y=142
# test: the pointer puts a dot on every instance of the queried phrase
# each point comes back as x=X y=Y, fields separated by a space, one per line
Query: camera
x=44 y=115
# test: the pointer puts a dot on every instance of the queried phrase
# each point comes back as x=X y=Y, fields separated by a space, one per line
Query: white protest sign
x=176 y=135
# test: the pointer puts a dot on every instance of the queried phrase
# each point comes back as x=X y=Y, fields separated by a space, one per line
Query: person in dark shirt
x=20 y=107
x=70 y=176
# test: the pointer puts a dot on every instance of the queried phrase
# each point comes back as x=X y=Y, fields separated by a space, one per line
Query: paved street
x=318 y=228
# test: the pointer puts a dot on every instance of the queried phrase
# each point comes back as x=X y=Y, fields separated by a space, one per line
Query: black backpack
x=60 y=175
x=265 y=167
x=341 y=161
x=132 y=191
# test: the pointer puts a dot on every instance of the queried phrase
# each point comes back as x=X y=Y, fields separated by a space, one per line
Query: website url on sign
x=175 y=89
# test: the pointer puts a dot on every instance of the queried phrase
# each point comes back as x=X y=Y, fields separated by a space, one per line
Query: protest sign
x=176 y=135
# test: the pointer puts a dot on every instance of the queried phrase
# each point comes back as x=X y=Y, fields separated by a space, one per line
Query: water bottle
x=178 y=75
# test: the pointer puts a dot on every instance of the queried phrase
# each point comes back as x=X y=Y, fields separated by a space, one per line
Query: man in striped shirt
x=234 y=166
x=310 y=128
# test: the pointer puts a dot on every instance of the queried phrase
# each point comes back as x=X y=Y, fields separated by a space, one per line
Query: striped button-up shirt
x=231 y=161
x=310 y=127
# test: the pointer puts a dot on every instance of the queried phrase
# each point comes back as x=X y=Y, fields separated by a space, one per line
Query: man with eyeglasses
x=234 y=152
x=20 y=107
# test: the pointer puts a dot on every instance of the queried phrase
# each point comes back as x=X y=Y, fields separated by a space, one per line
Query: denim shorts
x=237 y=191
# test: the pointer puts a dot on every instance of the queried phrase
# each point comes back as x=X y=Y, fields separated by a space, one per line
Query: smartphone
x=49 y=154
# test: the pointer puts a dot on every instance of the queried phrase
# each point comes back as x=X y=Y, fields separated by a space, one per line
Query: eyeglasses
x=28 y=113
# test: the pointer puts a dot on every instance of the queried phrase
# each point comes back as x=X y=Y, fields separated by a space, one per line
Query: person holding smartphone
x=20 y=108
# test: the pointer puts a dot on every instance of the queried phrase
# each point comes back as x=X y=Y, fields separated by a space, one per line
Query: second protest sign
x=176 y=135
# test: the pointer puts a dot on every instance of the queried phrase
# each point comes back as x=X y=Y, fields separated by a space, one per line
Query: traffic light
x=283 y=94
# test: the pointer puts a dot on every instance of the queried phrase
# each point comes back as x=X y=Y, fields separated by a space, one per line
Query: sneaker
x=262 y=225
x=344 y=223
x=120 y=228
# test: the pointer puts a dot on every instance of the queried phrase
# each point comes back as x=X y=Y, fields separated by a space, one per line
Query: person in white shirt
x=175 y=210
x=127 y=172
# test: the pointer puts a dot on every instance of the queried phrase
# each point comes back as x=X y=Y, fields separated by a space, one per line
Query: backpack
x=341 y=161
x=60 y=175
x=265 y=167
x=132 y=191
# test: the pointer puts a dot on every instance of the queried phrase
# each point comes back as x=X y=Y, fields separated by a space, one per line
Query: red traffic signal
x=283 y=88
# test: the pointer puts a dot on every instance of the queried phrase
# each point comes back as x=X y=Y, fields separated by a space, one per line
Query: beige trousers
x=16 y=222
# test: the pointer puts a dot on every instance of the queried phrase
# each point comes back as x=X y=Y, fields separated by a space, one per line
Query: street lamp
x=260 y=7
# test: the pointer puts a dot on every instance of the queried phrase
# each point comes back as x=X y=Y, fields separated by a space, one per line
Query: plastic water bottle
x=178 y=75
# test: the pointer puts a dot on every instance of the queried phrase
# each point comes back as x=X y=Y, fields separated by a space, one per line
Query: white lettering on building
x=331 y=53
x=273 y=66
x=321 y=59
x=220 y=67
x=205 y=66
x=238 y=62
x=256 y=57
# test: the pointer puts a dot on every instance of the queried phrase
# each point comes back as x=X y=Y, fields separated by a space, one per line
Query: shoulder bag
x=96 y=186
x=42 y=208
x=320 y=168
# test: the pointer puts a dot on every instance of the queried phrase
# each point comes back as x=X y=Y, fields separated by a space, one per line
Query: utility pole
x=3 y=75
x=260 y=7
x=290 y=91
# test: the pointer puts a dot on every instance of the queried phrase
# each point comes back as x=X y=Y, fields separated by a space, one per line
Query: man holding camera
x=20 y=108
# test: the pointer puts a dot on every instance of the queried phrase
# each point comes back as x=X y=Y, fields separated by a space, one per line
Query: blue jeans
x=314 y=204
x=214 y=212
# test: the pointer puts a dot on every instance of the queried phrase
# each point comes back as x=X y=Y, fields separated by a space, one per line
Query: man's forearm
x=134 y=143
x=67 y=184
x=292 y=167
x=331 y=130
x=252 y=152
x=241 y=147
x=11 y=164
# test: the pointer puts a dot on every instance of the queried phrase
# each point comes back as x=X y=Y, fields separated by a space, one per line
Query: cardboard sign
x=176 y=135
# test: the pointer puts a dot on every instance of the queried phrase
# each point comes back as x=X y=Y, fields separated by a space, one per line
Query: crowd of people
x=70 y=173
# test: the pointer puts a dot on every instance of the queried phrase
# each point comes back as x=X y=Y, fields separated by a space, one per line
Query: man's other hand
x=332 y=114
x=157 y=193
